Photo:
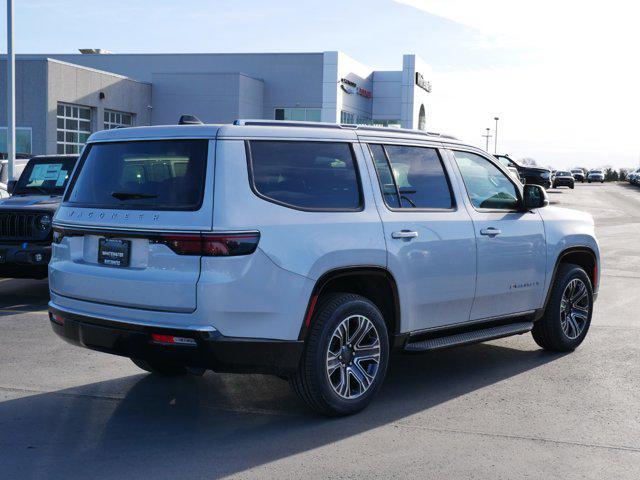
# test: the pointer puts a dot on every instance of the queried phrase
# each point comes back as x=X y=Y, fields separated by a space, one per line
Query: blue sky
x=555 y=72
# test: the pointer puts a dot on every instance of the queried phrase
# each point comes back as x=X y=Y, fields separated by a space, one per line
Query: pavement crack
x=603 y=446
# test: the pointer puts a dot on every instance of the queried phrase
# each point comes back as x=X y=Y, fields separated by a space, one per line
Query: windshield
x=45 y=176
x=563 y=174
x=154 y=174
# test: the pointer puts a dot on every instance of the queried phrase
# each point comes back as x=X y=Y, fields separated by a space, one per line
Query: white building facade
x=107 y=90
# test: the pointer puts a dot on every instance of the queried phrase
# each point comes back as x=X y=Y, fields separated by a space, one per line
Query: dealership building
x=62 y=99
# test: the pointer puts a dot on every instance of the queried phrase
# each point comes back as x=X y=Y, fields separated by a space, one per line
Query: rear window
x=151 y=175
x=305 y=175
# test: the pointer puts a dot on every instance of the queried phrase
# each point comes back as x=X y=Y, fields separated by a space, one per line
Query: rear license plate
x=114 y=252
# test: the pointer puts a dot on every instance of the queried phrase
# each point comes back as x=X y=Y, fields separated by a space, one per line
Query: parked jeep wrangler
x=26 y=216
x=309 y=251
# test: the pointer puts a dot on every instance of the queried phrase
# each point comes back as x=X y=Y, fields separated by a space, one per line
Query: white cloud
x=576 y=100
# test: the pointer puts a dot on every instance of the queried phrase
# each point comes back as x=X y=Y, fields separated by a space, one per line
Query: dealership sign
x=422 y=83
x=351 y=87
x=348 y=86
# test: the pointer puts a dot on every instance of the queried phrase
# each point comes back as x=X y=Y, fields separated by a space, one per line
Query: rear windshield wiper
x=131 y=196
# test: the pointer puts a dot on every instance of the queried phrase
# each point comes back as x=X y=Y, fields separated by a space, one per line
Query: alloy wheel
x=353 y=357
x=574 y=308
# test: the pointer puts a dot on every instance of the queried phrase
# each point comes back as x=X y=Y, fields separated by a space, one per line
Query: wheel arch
x=375 y=283
x=582 y=256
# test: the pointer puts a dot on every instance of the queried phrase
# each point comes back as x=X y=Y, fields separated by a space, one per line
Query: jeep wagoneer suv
x=309 y=251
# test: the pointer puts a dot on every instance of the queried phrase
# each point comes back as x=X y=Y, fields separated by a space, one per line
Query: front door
x=430 y=240
x=511 y=245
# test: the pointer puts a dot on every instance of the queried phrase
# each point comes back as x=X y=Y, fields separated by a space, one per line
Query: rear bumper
x=212 y=350
x=24 y=260
x=563 y=183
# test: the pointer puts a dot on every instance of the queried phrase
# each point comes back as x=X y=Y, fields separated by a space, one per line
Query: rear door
x=511 y=243
x=129 y=219
x=430 y=239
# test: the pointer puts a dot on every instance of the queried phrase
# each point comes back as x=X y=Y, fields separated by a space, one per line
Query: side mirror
x=11 y=186
x=534 y=196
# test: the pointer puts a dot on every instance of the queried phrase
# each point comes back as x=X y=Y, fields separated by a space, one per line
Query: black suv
x=533 y=175
x=25 y=217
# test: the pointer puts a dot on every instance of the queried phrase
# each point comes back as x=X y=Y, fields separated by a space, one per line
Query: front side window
x=74 y=128
x=46 y=176
x=155 y=174
x=411 y=177
x=305 y=175
x=486 y=185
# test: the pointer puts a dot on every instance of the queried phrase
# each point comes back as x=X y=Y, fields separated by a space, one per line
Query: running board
x=469 y=337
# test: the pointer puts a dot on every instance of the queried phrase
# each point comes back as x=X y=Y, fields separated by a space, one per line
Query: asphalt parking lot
x=503 y=409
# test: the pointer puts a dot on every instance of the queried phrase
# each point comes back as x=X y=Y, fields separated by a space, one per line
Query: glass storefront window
x=298 y=114
x=74 y=127
x=23 y=140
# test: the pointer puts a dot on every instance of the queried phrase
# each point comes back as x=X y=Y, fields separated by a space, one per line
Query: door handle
x=491 y=231
x=404 y=234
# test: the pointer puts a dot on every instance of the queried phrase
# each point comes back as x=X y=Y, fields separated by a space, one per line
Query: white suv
x=309 y=251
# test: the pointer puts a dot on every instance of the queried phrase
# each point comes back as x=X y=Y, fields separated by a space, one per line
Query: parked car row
x=634 y=177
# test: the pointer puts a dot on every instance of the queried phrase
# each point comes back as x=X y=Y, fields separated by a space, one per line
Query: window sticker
x=62 y=177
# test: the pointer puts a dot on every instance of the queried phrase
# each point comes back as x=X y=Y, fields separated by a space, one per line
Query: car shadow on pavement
x=144 y=426
x=18 y=295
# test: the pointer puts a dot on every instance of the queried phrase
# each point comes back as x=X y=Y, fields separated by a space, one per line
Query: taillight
x=58 y=235
x=210 y=244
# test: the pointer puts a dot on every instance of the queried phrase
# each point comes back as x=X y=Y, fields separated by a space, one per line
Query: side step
x=469 y=337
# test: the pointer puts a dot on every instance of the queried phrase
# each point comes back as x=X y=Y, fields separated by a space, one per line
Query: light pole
x=11 y=93
x=495 y=137
x=487 y=136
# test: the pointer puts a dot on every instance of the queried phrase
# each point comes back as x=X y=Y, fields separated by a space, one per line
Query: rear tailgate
x=113 y=240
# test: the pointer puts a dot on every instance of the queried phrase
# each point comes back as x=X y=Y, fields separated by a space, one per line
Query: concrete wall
x=290 y=79
x=31 y=99
x=82 y=86
x=212 y=97
x=413 y=97
x=387 y=95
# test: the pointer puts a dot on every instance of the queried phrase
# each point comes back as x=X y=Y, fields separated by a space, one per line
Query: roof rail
x=342 y=126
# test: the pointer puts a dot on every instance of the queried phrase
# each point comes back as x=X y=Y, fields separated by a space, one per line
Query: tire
x=160 y=368
x=572 y=187
x=313 y=383
x=551 y=332
x=589 y=181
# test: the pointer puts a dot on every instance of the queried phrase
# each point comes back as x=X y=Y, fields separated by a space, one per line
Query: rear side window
x=411 y=177
x=150 y=175
x=305 y=175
